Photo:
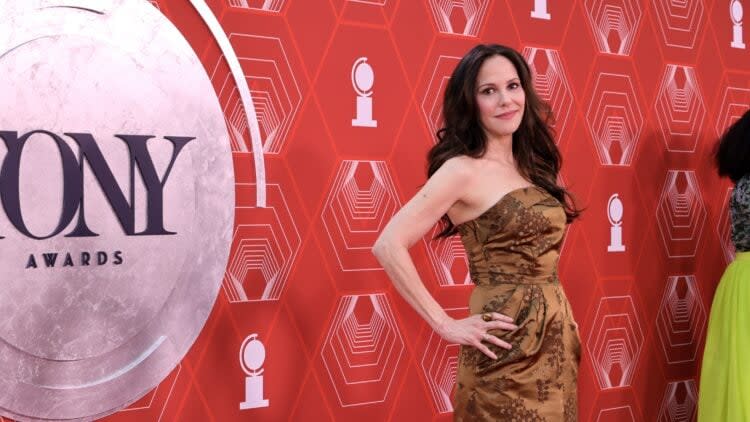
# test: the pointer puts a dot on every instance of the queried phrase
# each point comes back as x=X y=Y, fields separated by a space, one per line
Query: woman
x=492 y=178
x=724 y=385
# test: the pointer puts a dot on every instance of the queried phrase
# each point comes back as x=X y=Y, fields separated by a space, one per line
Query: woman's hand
x=473 y=331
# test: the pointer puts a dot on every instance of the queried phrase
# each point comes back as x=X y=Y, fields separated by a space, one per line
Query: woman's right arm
x=411 y=223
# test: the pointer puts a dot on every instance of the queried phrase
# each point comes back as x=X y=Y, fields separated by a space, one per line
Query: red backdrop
x=641 y=90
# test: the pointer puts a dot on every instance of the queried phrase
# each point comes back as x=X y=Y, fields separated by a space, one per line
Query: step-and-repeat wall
x=347 y=96
x=330 y=107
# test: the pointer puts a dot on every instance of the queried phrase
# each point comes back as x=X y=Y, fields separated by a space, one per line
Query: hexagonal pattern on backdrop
x=348 y=95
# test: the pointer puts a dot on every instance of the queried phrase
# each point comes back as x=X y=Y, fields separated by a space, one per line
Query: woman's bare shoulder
x=460 y=166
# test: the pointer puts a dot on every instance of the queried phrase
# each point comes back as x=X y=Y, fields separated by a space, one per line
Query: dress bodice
x=517 y=240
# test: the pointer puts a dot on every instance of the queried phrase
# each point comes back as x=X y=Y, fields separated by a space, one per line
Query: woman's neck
x=500 y=149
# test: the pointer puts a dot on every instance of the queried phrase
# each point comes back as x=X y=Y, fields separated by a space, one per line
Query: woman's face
x=500 y=97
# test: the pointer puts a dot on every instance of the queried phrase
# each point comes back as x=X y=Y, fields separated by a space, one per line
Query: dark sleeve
x=740 y=209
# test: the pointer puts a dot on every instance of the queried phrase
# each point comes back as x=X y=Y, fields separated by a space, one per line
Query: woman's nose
x=502 y=97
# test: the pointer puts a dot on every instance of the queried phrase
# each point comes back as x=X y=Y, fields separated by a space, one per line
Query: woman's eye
x=514 y=85
x=488 y=91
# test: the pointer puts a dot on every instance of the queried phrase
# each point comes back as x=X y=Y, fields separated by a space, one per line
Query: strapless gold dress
x=513 y=250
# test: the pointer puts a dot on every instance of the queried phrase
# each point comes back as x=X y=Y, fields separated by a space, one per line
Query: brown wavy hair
x=534 y=150
x=732 y=151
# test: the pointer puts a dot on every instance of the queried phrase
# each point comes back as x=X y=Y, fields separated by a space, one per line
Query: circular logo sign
x=116 y=183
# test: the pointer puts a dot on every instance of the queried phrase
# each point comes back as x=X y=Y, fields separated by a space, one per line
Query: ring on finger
x=487 y=316
x=485 y=336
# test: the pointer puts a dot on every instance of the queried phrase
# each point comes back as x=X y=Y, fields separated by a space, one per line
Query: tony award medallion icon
x=736 y=12
x=118 y=205
x=363 y=78
x=252 y=356
x=614 y=213
x=540 y=10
